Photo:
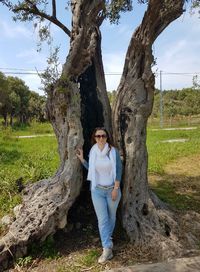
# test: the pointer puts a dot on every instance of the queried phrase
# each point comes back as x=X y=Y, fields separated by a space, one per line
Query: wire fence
x=175 y=121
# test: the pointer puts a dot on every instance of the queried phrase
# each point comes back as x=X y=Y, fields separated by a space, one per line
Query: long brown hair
x=93 y=141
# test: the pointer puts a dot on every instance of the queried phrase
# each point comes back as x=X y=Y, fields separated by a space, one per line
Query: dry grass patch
x=186 y=166
x=180 y=183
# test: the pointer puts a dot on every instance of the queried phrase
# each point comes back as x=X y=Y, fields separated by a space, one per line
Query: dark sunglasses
x=100 y=136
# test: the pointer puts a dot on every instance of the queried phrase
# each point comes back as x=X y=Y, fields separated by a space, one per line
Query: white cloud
x=174 y=49
x=177 y=51
x=180 y=57
x=176 y=57
x=13 y=31
x=31 y=56
x=33 y=82
x=113 y=64
x=126 y=31
x=3 y=62
x=112 y=82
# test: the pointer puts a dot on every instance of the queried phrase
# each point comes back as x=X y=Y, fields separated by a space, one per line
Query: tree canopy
x=16 y=100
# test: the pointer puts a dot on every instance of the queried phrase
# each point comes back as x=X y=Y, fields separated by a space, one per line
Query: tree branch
x=84 y=37
x=32 y=9
x=54 y=9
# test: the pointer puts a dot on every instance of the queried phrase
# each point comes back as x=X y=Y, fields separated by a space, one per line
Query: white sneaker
x=106 y=255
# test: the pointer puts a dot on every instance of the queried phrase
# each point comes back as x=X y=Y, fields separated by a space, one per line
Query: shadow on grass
x=21 y=127
x=179 y=191
x=9 y=156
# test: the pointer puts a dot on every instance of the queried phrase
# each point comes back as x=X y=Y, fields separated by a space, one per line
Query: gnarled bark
x=46 y=204
x=145 y=219
x=75 y=110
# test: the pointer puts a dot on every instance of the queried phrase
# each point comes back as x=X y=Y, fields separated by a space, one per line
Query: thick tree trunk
x=5 y=117
x=79 y=101
x=11 y=119
x=46 y=204
x=145 y=219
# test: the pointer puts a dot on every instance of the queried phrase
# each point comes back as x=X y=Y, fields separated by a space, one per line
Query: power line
x=20 y=73
x=107 y=74
x=18 y=69
x=33 y=72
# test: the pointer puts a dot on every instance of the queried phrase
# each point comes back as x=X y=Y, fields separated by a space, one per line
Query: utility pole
x=161 y=101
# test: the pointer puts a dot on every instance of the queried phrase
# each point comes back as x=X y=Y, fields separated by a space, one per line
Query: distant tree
x=19 y=98
x=15 y=104
x=4 y=98
x=37 y=107
x=196 y=82
x=112 y=97
x=195 y=5
x=183 y=102
x=16 y=100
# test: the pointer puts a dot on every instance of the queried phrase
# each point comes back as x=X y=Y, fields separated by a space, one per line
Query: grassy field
x=174 y=174
x=162 y=152
x=174 y=167
x=27 y=159
x=32 y=159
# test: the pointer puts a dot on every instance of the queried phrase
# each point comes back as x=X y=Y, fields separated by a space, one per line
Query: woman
x=104 y=172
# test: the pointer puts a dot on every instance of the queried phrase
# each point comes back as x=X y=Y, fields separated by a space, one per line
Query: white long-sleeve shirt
x=103 y=168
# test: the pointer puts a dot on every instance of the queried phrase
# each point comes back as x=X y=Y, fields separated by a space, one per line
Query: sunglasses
x=101 y=136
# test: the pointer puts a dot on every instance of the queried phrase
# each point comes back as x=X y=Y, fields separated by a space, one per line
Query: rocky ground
x=191 y=264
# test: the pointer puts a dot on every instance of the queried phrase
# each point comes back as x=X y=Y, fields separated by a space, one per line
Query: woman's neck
x=101 y=146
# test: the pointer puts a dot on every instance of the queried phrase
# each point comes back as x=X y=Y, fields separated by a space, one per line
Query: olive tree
x=77 y=102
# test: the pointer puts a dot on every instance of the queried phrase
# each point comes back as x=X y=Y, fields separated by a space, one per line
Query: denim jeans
x=105 y=209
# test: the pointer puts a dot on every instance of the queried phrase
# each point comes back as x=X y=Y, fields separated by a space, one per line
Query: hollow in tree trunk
x=46 y=204
x=76 y=105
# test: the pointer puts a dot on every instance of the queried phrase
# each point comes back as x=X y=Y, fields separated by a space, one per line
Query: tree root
x=165 y=232
x=44 y=210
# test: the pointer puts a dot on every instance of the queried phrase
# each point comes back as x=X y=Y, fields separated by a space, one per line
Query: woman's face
x=100 y=137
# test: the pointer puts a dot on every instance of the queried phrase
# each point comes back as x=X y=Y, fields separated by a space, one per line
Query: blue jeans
x=105 y=209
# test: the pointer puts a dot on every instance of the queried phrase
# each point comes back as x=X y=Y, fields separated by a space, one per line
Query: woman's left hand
x=114 y=194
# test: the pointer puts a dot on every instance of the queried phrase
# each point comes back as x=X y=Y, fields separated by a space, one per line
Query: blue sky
x=176 y=50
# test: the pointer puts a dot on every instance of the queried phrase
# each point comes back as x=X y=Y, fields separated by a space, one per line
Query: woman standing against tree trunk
x=104 y=172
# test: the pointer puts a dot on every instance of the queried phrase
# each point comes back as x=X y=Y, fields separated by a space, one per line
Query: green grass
x=90 y=258
x=168 y=191
x=85 y=260
x=160 y=154
x=32 y=159
x=28 y=159
x=24 y=262
x=45 y=249
x=179 y=190
x=27 y=129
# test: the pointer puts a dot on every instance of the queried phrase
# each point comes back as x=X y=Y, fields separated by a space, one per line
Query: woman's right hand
x=79 y=154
